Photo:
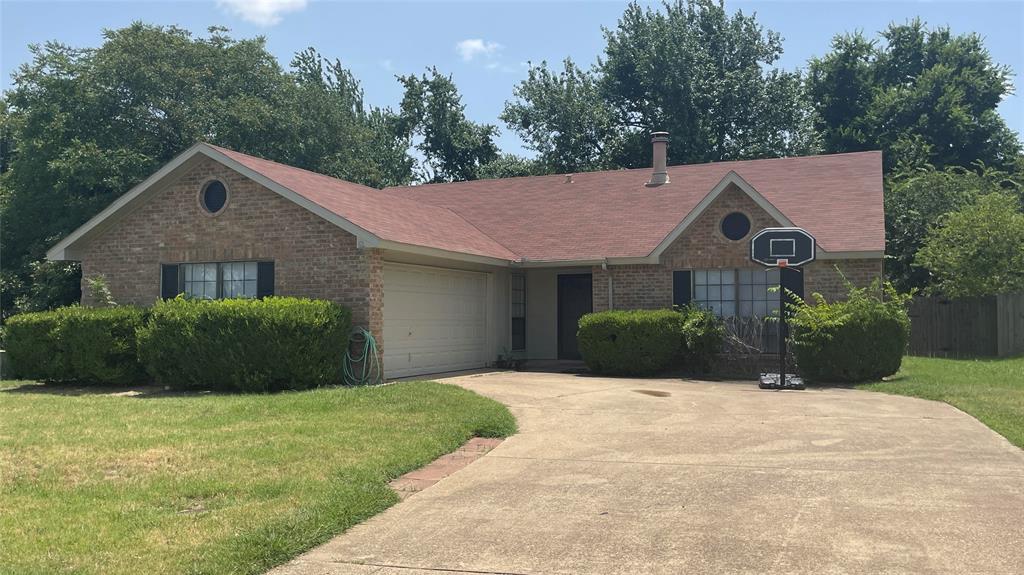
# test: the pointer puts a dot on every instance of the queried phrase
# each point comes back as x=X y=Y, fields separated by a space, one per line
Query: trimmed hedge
x=76 y=344
x=646 y=342
x=860 y=339
x=247 y=345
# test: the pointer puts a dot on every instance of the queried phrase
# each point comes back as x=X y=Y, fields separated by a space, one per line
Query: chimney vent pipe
x=659 y=142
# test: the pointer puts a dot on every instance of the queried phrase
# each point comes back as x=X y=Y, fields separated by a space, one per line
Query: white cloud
x=262 y=12
x=387 y=64
x=473 y=47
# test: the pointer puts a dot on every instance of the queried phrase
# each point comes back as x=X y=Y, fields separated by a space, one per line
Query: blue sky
x=485 y=45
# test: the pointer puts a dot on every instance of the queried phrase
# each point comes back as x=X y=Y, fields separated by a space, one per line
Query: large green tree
x=978 y=250
x=689 y=67
x=916 y=199
x=82 y=126
x=563 y=116
x=923 y=96
x=454 y=147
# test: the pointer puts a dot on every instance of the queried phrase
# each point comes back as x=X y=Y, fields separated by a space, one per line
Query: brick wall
x=821 y=276
x=313 y=258
x=702 y=246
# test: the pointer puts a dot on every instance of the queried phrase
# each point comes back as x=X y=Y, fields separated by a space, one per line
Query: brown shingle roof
x=837 y=198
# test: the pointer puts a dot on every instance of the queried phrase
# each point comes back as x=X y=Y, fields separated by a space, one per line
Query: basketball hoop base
x=771 y=381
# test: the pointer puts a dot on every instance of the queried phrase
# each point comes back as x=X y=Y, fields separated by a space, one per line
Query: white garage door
x=435 y=320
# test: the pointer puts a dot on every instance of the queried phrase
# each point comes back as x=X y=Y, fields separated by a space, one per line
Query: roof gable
x=374 y=216
x=613 y=214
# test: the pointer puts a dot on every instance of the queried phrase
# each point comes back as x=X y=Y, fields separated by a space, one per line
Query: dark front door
x=575 y=298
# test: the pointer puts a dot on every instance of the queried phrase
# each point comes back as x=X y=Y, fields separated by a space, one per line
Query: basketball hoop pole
x=782 y=326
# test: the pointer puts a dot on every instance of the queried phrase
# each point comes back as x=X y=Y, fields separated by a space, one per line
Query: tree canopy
x=915 y=200
x=689 y=68
x=454 y=147
x=925 y=97
x=978 y=250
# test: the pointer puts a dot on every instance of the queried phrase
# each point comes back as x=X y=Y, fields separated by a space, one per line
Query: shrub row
x=862 y=338
x=646 y=342
x=246 y=345
x=91 y=345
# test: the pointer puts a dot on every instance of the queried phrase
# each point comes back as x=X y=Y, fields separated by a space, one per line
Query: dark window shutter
x=169 y=281
x=681 y=288
x=793 y=280
x=265 y=279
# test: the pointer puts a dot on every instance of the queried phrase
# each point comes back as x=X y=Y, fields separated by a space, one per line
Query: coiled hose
x=370 y=372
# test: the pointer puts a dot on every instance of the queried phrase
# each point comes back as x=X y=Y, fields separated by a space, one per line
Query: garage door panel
x=434 y=320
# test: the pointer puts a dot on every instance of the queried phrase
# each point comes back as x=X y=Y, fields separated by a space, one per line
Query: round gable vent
x=735 y=226
x=214 y=196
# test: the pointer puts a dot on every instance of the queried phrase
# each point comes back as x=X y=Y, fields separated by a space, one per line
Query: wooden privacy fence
x=991 y=326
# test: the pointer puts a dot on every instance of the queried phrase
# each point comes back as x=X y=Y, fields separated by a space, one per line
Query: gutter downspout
x=611 y=291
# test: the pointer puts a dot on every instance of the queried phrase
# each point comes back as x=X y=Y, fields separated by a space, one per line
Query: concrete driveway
x=607 y=477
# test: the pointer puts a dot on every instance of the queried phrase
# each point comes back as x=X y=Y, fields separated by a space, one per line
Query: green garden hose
x=370 y=373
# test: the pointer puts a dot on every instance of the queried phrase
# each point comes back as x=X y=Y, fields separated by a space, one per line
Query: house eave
x=442 y=253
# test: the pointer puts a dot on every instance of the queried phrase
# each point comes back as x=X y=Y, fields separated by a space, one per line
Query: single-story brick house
x=447 y=276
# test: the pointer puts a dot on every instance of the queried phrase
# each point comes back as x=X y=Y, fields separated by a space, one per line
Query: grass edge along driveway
x=991 y=390
x=208 y=483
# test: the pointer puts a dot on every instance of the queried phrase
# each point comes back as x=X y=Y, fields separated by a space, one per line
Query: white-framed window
x=517 y=298
x=219 y=280
x=238 y=279
x=200 y=280
x=736 y=293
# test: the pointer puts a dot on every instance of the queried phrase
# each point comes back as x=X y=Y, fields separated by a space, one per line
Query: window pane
x=702 y=293
x=759 y=309
x=746 y=308
x=188 y=272
x=772 y=276
x=700 y=277
x=714 y=292
x=250 y=288
x=728 y=308
x=728 y=277
x=250 y=271
x=746 y=292
x=714 y=277
x=745 y=276
x=728 y=292
x=211 y=272
x=518 y=334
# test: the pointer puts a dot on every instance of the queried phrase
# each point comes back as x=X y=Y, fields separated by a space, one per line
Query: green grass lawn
x=205 y=483
x=990 y=390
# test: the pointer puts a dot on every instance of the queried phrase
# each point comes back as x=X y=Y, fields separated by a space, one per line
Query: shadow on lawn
x=145 y=391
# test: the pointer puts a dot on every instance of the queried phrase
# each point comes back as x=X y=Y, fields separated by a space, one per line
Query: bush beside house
x=862 y=338
x=237 y=344
x=76 y=344
x=646 y=342
x=247 y=345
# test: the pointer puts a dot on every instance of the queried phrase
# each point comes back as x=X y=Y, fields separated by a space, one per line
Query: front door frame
x=558 y=306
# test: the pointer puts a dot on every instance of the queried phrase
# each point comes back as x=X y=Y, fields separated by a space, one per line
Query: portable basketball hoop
x=782 y=248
